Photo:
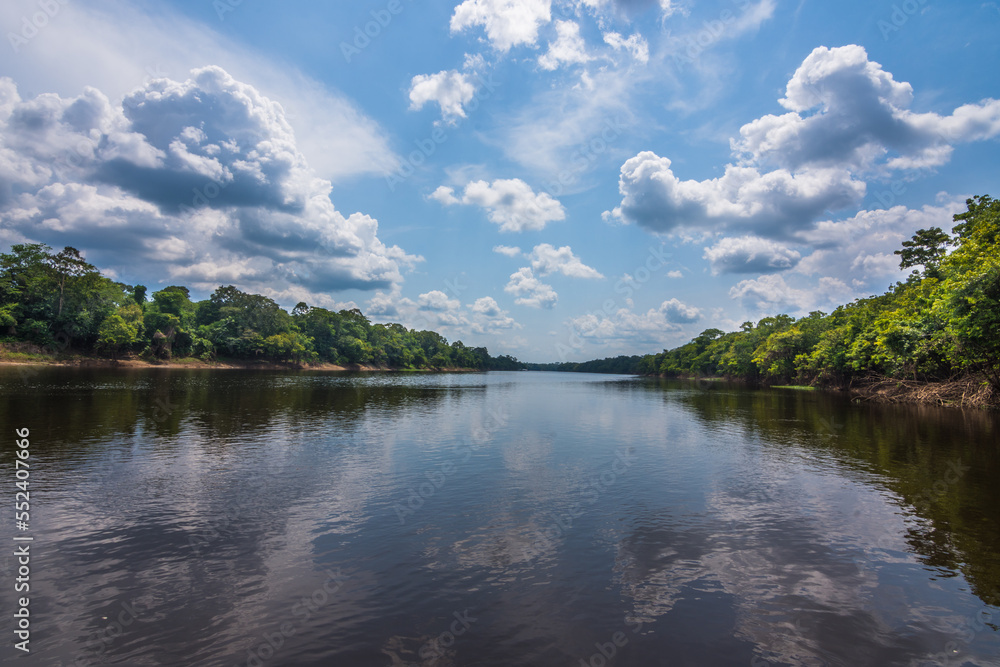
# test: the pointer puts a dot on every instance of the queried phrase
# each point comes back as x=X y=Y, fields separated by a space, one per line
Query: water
x=277 y=518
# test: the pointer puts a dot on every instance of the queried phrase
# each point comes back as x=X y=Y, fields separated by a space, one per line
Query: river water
x=192 y=517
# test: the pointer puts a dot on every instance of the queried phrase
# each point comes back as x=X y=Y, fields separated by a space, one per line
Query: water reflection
x=512 y=518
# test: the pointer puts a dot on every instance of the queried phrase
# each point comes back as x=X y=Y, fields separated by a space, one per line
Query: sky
x=559 y=180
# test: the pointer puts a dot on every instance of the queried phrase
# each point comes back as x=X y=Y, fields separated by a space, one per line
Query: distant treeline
x=942 y=323
x=621 y=364
x=61 y=303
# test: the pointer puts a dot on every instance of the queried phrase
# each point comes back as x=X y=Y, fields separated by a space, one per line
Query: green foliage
x=939 y=324
x=621 y=365
x=927 y=248
x=47 y=297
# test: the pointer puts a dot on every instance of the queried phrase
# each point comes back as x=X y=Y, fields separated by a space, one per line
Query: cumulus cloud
x=431 y=311
x=530 y=291
x=859 y=250
x=437 y=300
x=846 y=111
x=749 y=254
x=654 y=326
x=848 y=120
x=743 y=198
x=635 y=44
x=547 y=259
x=117 y=46
x=771 y=294
x=507 y=23
x=627 y=8
x=678 y=312
x=511 y=203
x=568 y=48
x=445 y=196
x=489 y=317
x=436 y=311
x=200 y=180
x=506 y=250
x=450 y=90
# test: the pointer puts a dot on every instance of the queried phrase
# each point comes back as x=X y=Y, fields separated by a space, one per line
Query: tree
x=120 y=329
x=927 y=248
x=68 y=264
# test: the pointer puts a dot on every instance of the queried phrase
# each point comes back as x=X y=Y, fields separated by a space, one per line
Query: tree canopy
x=60 y=301
x=941 y=323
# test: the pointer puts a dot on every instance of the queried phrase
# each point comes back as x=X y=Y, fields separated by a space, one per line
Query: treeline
x=61 y=303
x=942 y=323
x=620 y=365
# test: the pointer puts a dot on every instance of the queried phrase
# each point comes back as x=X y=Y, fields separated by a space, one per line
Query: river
x=233 y=517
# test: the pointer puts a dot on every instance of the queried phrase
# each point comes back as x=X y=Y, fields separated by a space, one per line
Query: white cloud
x=552 y=134
x=653 y=327
x=435 y=311
x=859 y=250
x=511 y=203
x=568 y=49
x=635 y=44
x=848 y=120
x=488 y=317
x=200 y=180
x=450 y=90
x=846 y=111
x=749 y=254
x=678 y=312
x=530 y=291
x=667 y=7
x=771 y=294
x=437 y=300
x=507 y=23
x=445 y=196
x=506 y=250
x=743 y=198
x=117 y=47
x=546 y=259
x=675 y=275
x=486 y=306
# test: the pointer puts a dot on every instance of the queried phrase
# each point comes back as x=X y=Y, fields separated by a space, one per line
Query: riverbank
x=967 y=392
x=12 y=358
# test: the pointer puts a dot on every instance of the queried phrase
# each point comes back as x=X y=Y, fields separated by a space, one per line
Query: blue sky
x=558 y=180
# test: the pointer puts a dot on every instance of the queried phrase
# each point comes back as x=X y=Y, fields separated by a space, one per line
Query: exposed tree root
x=966 y=392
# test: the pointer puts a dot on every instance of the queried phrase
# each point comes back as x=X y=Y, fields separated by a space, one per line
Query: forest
x=623 y=365
x=941 y=326
x=59 y=303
